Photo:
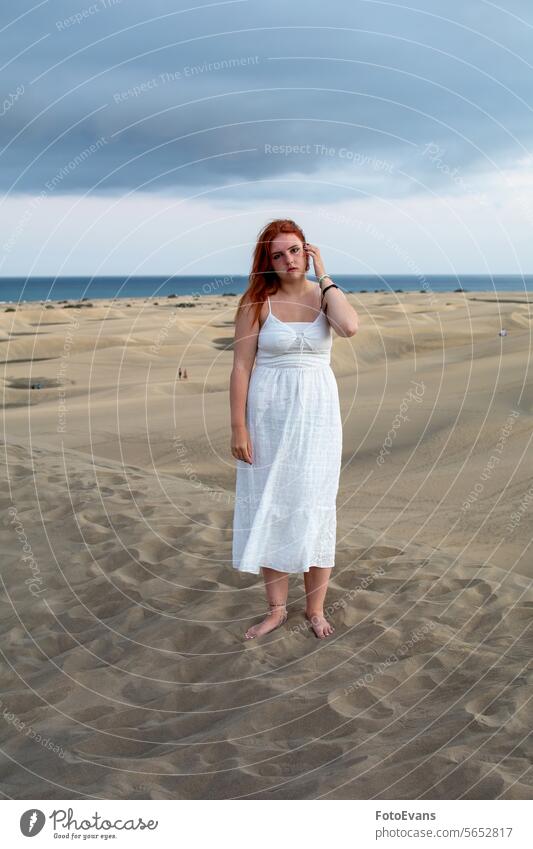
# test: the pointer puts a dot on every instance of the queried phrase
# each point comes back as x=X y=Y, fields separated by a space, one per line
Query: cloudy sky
x=158 y=138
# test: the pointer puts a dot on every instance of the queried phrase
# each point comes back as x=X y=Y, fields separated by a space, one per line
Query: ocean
x=20 y=289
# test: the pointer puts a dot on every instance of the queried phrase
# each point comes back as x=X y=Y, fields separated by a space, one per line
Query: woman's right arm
x=244 y=351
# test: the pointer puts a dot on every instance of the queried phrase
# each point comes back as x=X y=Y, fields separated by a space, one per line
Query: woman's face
x=287 y=253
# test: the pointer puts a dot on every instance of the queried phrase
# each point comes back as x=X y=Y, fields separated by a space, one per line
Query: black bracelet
x=331 y=286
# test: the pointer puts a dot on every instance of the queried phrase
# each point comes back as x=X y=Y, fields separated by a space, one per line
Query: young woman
x=286 y=423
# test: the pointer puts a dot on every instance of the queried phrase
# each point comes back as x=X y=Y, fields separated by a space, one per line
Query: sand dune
x=125 y=672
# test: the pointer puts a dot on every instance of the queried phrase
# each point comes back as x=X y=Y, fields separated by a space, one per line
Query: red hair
x=263 y=280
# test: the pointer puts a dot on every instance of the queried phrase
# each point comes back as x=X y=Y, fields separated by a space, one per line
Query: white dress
x=285 y=501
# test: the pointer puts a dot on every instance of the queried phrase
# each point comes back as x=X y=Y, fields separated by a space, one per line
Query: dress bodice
x=294 y=343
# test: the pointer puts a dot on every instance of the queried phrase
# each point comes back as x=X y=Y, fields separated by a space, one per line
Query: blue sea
x=20 y=289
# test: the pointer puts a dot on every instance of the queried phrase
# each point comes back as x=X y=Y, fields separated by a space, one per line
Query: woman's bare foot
x=276 y=616
x=319 y=624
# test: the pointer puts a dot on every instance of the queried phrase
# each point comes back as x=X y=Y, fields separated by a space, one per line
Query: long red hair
x=263 y=280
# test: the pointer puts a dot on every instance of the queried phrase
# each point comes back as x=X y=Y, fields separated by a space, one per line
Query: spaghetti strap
x=269 y=307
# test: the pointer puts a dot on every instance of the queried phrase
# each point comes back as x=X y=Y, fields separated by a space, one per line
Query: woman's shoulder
x=248 y=308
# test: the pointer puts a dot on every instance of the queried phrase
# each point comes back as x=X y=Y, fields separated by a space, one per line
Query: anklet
x=275 y=605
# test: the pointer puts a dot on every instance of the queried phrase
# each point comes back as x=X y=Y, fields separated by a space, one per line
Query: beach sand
x=124 y=669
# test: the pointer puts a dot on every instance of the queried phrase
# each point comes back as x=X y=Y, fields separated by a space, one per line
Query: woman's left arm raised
x=340 y=313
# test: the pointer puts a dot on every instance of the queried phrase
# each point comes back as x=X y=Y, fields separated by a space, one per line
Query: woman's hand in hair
x=314 y=253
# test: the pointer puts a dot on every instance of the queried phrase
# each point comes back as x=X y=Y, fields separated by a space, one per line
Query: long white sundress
x=285 y=501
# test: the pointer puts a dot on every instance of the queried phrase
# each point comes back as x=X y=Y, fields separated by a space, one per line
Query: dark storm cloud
x=112 y=96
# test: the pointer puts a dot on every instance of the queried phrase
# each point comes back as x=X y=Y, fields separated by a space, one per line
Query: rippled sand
x=124 y=669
